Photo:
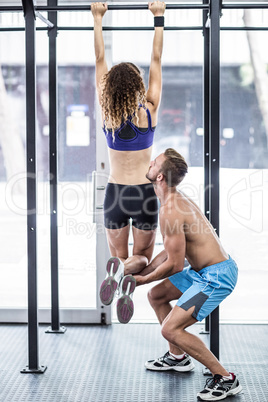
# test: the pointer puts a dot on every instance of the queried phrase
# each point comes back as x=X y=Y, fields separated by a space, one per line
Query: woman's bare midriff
x=129 y=167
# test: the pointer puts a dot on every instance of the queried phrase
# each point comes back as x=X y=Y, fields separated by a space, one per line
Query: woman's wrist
x=98 y=18
x=159 y=21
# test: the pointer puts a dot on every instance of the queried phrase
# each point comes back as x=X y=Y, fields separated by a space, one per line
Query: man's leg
x=176 y=359
x=174 y=321
x=173 y=330
x=223 y=383
x=160 y=297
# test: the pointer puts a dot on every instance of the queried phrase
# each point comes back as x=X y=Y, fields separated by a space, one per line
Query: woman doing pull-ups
x=129 y=116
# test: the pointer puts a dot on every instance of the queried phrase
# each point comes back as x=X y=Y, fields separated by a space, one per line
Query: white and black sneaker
x=168 y=362
x=218 y=388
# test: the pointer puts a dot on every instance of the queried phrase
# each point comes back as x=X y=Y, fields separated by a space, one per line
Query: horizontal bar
x=110 y=7
x=244 y=28
x=11 y=9
x=244 y=5
x=174 y=28
x=20 y=29
x=138 y=7
x=124 y=7
x=194 y=28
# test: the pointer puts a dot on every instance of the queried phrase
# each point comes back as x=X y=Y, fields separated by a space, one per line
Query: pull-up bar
x=188 y=28
x=125 y=7
x=110 y=7
x=244 y=5
x=193 y=6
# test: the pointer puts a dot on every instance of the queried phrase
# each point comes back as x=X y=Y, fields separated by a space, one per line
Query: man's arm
x=98 y=10
x=168 y=262
x=155 y=73
x=158 y=260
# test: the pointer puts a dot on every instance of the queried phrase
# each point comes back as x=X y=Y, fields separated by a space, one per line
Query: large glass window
x=76 y=162
x=243 y=148
x=244 y=164
x=13 y=260
x=180 y=126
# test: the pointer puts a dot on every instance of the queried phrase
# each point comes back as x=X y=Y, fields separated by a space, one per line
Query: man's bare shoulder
x=172 y=216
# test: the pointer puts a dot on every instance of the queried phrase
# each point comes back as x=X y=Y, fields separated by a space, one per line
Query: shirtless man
x=199 y=288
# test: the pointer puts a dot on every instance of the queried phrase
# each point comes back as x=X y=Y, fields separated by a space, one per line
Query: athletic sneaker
x=168 y=362
x=125 y=305
x=217 y=388
x=115 y=272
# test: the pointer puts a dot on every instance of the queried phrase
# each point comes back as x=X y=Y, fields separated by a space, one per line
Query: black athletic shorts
x=137 y=202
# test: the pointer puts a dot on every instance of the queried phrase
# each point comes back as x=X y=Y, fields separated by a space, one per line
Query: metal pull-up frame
x=211 y=32
x=211 y=108
x=33 y=355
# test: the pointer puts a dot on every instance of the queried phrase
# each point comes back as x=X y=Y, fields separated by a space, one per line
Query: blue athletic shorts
x=205 y=289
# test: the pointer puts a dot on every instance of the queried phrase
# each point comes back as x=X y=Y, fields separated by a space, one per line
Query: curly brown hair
x=123 y=91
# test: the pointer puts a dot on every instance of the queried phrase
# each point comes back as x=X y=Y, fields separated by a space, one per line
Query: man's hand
x=140 y=280
x=157 y=8
x=98 y=9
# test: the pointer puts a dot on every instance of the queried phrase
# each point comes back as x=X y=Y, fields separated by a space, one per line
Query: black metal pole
x=53 y=168
x=206 y=106
x=214 y=144
x=33 y=364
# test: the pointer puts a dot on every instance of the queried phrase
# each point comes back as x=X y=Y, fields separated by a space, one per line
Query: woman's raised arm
x=98 y=10
x=155 y=73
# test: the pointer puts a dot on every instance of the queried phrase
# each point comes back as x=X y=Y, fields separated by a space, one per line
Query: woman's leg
x=142 y=254
x=142 y=250
x=118 y=242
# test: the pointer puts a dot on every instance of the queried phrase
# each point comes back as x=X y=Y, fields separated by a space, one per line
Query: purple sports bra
x=129 y=137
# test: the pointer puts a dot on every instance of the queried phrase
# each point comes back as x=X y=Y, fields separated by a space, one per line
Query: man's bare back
x=181 y=215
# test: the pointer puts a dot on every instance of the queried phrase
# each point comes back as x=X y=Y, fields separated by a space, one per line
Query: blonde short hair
x=174 y=167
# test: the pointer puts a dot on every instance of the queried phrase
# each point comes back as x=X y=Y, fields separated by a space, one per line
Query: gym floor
x=106 y=364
